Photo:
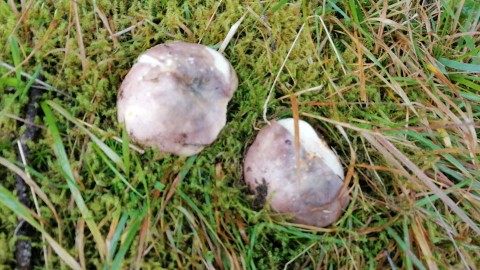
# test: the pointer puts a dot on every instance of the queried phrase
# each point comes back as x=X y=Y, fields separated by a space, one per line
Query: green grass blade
x=12 y=203
x=30 y=82
x=126 y=151
x=21 y=91
x=68 y=173
x=279 y=5
x=16 y=56
x=116 y=235
x=428 y=200
x=186 y=10
x=356 y=12
x=131 y=233
x=107 y=150
x=117 y=173
x=459 y=65
x=406 y=249
x=12 y=82
x=37 y=189
x=406 y=239
x=469 y=84
x=253 y=237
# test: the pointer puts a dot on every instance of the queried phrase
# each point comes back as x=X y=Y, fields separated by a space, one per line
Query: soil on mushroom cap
x=261 y=192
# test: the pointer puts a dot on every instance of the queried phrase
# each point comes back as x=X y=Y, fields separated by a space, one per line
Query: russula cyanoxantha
x=175 y=97
x=305 y=184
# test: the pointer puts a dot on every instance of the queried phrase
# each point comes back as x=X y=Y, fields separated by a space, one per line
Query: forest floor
x=392 y=86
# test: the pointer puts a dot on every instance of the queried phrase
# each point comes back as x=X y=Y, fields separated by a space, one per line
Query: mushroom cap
x=175 y=97
x=308 y=188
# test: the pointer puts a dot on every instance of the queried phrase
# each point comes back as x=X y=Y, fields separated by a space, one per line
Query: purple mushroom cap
x=175 y=97
x=306 y=186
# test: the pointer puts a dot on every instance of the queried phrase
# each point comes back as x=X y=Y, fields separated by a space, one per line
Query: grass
x=393 y=86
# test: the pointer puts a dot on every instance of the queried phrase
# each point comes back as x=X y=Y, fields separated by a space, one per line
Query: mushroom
x=305 y=182
x=175 y=97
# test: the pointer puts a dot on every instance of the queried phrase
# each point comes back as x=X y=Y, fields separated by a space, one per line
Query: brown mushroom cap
x=307 y=189
x=175 y=97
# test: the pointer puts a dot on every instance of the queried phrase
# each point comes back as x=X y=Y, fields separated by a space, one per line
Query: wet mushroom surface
x=175 y=97
x=304 y=184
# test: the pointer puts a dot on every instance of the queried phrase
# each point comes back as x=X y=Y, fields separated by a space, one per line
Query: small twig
x=26 y=122
x=37 y=81
x=104 y=20
x=259 y=18
x=116 y=138
x=81 y=45
x=128 y=29
x=298 y=255
x=35 y=200
x=210 y=21
x=265 y=105
x=231 y=33
x=38 y=45
x=390 y=261
x=339 y=57
x=23 y=252
x=298 y=93
x=13 y=7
